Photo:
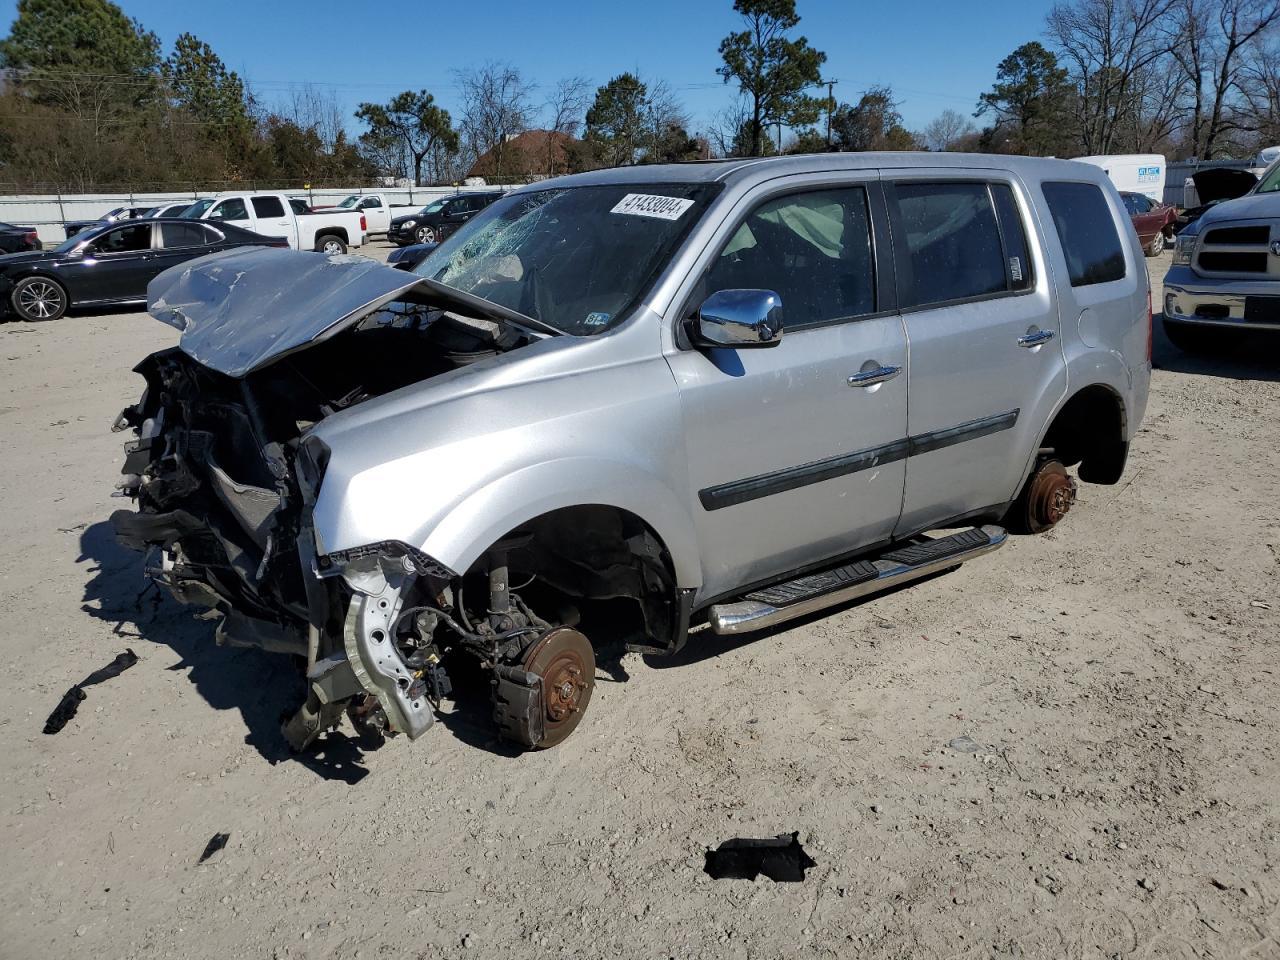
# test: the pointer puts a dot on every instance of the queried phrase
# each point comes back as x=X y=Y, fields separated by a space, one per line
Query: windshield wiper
x=487 y=308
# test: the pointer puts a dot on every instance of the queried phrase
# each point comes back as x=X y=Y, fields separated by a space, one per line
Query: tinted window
x=266 y=207
x=231 y=209
x=185 y=234
x=1013 y=232
x=124 y=240
x=812 y=249
x=1087 y=232
x=298 y=206
x=953 y=242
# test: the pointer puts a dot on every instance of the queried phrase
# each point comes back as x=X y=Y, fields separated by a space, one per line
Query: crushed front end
x=225 y=468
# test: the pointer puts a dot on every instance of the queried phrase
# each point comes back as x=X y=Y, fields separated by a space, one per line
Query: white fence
x=48 y=212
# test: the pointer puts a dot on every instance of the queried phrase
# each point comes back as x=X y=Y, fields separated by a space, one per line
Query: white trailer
x=1134 y=172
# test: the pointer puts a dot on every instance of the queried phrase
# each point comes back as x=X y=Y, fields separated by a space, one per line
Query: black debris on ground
x=216 y=843
x=780 y=858
x=71 y=700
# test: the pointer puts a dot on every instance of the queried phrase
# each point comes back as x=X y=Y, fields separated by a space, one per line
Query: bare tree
x=663 y=112
x=497 y=104
x=316 y=109
x=1261 y=85
x=566 y=106
x=946 y=130
x=1212 y=40
x=1107 y=45
x=725 y=130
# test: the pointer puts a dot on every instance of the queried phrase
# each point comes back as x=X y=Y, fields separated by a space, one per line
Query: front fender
x=486 y=515
x=454 y=518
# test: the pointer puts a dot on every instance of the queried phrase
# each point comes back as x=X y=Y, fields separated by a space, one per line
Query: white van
x=1134 y=172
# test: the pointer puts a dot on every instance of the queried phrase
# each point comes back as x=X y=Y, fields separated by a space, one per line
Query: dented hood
x=242 y=309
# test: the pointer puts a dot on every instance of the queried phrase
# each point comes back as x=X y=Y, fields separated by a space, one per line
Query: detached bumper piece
x=797 y=598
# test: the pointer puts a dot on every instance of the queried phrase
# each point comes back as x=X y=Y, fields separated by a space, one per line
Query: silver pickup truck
x=624 y=404
x=1225 y=276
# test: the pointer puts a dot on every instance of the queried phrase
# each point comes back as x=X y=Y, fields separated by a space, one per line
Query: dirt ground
x=1118 y=677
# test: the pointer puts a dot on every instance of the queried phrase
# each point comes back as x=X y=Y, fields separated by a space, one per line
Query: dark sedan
x=73 y=227
x=112 y=264
x=438 y=219
x=18 y=239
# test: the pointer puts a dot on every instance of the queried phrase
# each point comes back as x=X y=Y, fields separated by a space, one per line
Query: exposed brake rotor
x=1050 y=494
x=565 y=662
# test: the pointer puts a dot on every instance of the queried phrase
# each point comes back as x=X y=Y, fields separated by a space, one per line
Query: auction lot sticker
x=652 y=205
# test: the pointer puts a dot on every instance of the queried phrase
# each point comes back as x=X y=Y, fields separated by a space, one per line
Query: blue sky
x=934 y=54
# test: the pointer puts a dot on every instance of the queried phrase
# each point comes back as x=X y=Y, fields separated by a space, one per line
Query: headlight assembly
x=1183 y=246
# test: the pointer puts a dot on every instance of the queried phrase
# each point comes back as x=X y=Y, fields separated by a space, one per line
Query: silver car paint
x=632 y=420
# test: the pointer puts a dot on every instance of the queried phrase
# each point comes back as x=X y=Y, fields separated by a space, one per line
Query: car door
x=114 y=266
x=455 y=213
x=377 y=214
x=232 y=210
x=795 y=451
x=1147 y=222
x=180 y=241
x=271 y=219
x=986 y=362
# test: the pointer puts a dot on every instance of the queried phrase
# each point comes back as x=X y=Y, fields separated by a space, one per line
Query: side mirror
x=739 y=318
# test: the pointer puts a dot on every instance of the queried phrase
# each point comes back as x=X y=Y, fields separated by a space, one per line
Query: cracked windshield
x=577 y=259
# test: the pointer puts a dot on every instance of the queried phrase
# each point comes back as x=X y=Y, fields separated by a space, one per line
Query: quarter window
x=953 y=242
x=812 y=249
x=1087 y=232
x=266 y=207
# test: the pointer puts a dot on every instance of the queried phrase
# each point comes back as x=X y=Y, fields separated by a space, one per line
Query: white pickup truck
x=279 y=215
x=377 y=209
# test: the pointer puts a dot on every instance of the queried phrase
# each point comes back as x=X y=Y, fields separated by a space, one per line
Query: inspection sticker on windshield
x=651 y=205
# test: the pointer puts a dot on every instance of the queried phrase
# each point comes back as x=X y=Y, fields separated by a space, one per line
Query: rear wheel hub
x=1050 y=496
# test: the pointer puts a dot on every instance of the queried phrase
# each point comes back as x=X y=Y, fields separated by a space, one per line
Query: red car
x=1152 y=221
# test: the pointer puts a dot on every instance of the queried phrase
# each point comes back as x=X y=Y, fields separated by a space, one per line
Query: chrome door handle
x=1035 y=339
x=876 y=375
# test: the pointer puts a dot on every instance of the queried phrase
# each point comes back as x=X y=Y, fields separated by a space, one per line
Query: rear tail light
x=32 y=237
x=363 y=225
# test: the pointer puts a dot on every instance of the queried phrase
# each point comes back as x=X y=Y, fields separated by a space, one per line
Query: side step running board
x=796 y=598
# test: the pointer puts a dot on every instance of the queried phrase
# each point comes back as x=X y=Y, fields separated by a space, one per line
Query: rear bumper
x=1247 y=304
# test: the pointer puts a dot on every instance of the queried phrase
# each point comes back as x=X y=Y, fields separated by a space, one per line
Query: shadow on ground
x=1239 y=355
x=262 y=686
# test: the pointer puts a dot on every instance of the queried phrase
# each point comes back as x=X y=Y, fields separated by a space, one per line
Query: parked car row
x=330 y=230
x=111 y=263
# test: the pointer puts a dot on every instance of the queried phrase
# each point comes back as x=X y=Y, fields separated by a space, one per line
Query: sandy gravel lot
x=1119 y=676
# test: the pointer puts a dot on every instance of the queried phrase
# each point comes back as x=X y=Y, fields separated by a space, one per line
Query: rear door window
x=1087 y=232
x=1013 y=232
x=952 y=242
x=266 y=207
x=185 y=234
x=812 y=249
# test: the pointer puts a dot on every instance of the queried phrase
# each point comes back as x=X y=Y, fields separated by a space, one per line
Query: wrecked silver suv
x=580 y=416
